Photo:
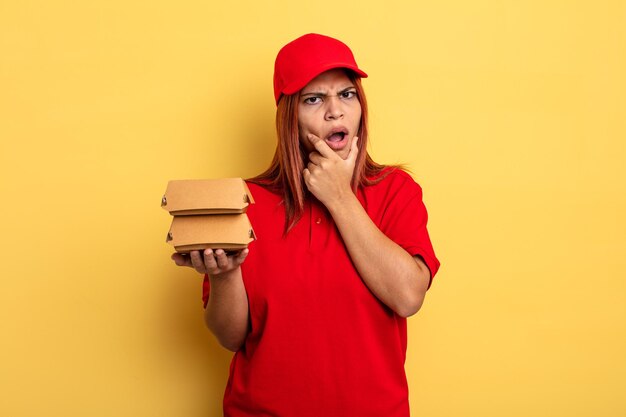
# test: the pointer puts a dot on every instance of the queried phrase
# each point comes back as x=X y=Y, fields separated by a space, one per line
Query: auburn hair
x=284 y=175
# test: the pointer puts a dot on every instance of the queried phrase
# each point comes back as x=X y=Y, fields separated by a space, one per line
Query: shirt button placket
x=315 y=221
x=311 y=213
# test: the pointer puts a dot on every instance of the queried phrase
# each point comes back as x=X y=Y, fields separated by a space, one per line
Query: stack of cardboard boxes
x=208 y=214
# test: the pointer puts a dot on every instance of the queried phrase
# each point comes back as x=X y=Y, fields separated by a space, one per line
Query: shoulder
x=393 y=181
x=267 y=201
x=267 y=214
x=262 y=192
x=396 y=175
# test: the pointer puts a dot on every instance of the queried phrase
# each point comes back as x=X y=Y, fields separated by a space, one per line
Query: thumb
x=354 y=151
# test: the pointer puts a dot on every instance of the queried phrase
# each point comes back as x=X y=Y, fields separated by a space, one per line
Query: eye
x=347 y=94
x=313 y=100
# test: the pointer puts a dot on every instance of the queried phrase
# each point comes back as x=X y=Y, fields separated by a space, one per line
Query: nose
x=334 y=110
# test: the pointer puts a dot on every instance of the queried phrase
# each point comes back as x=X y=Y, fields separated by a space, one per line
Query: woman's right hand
x=212 y=262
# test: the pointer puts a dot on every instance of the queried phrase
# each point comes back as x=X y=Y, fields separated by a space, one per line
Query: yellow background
x=510 y=114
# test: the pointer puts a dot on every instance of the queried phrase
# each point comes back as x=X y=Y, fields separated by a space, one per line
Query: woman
x=316 y=308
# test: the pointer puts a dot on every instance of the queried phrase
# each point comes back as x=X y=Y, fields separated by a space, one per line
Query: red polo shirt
x=320 y=343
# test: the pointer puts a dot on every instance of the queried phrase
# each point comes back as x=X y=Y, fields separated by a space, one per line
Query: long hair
x=284 y=175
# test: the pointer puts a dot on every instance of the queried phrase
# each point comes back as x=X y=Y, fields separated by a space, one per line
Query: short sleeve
x=403 y=217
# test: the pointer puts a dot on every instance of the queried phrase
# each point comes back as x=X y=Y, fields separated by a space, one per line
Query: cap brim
x=300 y=83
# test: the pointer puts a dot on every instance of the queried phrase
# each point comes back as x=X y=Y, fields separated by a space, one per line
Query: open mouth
x=337 y=139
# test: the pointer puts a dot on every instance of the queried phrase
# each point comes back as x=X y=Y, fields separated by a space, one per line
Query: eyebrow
x=314 y=93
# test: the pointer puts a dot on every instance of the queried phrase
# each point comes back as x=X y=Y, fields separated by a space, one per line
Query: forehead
x=334 y=79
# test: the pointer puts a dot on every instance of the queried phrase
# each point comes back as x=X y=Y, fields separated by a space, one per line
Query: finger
x=241 y=256
x=354 y=150
x=312 y=168
x=209 y=259
x=181 y=260
x=222 y=259
x=315 y=158
x=321 y=146
x=306 y=174
x=196 y=261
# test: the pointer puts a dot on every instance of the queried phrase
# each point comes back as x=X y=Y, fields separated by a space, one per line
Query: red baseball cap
x=303 y=59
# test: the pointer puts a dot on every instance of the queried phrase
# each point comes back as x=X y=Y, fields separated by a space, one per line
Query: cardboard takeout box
x=208 y=214
x=218 y=231
x=215 y=196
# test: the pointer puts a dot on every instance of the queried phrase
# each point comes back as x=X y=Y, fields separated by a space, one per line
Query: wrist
x=224 y=276
x=344 y=203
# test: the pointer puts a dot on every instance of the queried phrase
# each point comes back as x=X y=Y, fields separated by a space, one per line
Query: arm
x=399 y=280
x=390 y=272
x=226 y=313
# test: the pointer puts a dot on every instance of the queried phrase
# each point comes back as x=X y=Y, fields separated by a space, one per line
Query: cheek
x=305 y=127
x=357 y=117
x=308 y=146
x=305 y=123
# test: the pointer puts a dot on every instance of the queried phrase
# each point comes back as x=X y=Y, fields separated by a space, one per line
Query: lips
x=337 y=138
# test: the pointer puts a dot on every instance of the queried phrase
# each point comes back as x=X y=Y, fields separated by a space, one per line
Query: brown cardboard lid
x=214 y=196
x=218 y=231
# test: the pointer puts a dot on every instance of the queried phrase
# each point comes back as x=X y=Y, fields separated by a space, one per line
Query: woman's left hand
x=327 y=175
